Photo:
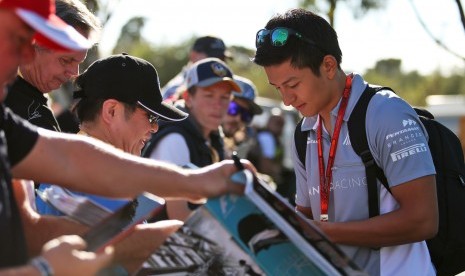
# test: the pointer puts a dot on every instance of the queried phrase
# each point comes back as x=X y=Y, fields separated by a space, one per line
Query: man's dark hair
x=301 y=53
x=87 y=109
x=76 y=14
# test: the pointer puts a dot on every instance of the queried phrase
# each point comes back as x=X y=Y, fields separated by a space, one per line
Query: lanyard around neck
x=326 y=178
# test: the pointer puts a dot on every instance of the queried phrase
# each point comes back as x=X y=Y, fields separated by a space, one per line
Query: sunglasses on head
x=234 y=109
x=279 y=36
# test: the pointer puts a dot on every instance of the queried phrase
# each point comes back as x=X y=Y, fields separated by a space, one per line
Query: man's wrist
x=42 y=265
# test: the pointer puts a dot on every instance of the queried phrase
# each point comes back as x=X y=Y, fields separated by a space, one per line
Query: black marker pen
x=237 y=161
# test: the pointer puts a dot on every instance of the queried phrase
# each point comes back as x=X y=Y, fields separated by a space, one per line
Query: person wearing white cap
x=76 y=162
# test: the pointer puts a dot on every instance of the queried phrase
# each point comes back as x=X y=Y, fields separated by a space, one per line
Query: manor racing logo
x=408 y=151
x=403 y=131
x=408 y=122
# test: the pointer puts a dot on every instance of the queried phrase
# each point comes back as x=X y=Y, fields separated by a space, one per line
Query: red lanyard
x=325 y=179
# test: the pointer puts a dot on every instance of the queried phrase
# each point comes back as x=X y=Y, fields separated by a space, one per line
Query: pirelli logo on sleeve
x=409 y=151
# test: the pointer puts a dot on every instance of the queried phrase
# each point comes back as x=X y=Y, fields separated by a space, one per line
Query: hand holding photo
x=122 y=222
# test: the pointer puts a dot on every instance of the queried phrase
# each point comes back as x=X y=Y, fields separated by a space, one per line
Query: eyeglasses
x=153 y=119
x=234 y=109
x=279 y=36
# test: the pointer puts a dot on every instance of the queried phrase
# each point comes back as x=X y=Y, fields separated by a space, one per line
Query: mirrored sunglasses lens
x=233 y=109
x=279 y=36
x=153 y=119
x=260 y=40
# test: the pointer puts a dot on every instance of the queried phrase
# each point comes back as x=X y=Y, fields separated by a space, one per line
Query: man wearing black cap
x=119 y=103
x=209 y=46
x=122 y=83
x=204 y=47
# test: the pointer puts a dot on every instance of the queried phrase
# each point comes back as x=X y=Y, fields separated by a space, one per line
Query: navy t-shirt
x=17 y=138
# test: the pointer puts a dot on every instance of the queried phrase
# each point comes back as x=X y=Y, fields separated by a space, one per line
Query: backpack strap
x=359 y=142
x=300 y=140
x=423 y=112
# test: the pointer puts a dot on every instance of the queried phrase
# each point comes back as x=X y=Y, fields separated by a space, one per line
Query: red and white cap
x=51 y=31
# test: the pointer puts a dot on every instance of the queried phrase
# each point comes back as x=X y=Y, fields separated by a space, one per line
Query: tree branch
x=462 y=15
x=437 y=40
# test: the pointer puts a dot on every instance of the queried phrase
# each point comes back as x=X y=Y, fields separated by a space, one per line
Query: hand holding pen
x=237 y=161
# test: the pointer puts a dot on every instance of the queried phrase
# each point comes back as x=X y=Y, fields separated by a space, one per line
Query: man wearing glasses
x=119 y=102
x=300 y=53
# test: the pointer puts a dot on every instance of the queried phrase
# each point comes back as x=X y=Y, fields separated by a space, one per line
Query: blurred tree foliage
x=413 y=86
x=103 y=9
x=130 y=34
x=328 y=7
x=170 y=59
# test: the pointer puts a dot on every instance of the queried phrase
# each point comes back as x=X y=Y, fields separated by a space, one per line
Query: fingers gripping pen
x=237 y=161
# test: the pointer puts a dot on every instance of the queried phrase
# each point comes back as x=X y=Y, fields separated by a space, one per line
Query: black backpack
x=447 y=248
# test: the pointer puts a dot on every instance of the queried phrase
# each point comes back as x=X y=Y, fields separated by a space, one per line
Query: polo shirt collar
x=358 y=86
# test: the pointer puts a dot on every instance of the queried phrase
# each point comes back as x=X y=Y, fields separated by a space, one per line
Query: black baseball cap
x=127 y=79
x=211 y=46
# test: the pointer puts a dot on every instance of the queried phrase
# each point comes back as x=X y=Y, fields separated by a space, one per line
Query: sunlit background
x=390 y=32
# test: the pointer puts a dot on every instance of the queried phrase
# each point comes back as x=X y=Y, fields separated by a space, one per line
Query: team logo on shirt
x=311 y=141
x=407 y=135
x=408 y=122
x=409 y=151
x=33 y=111
x=346 y=141
x=402 y=132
